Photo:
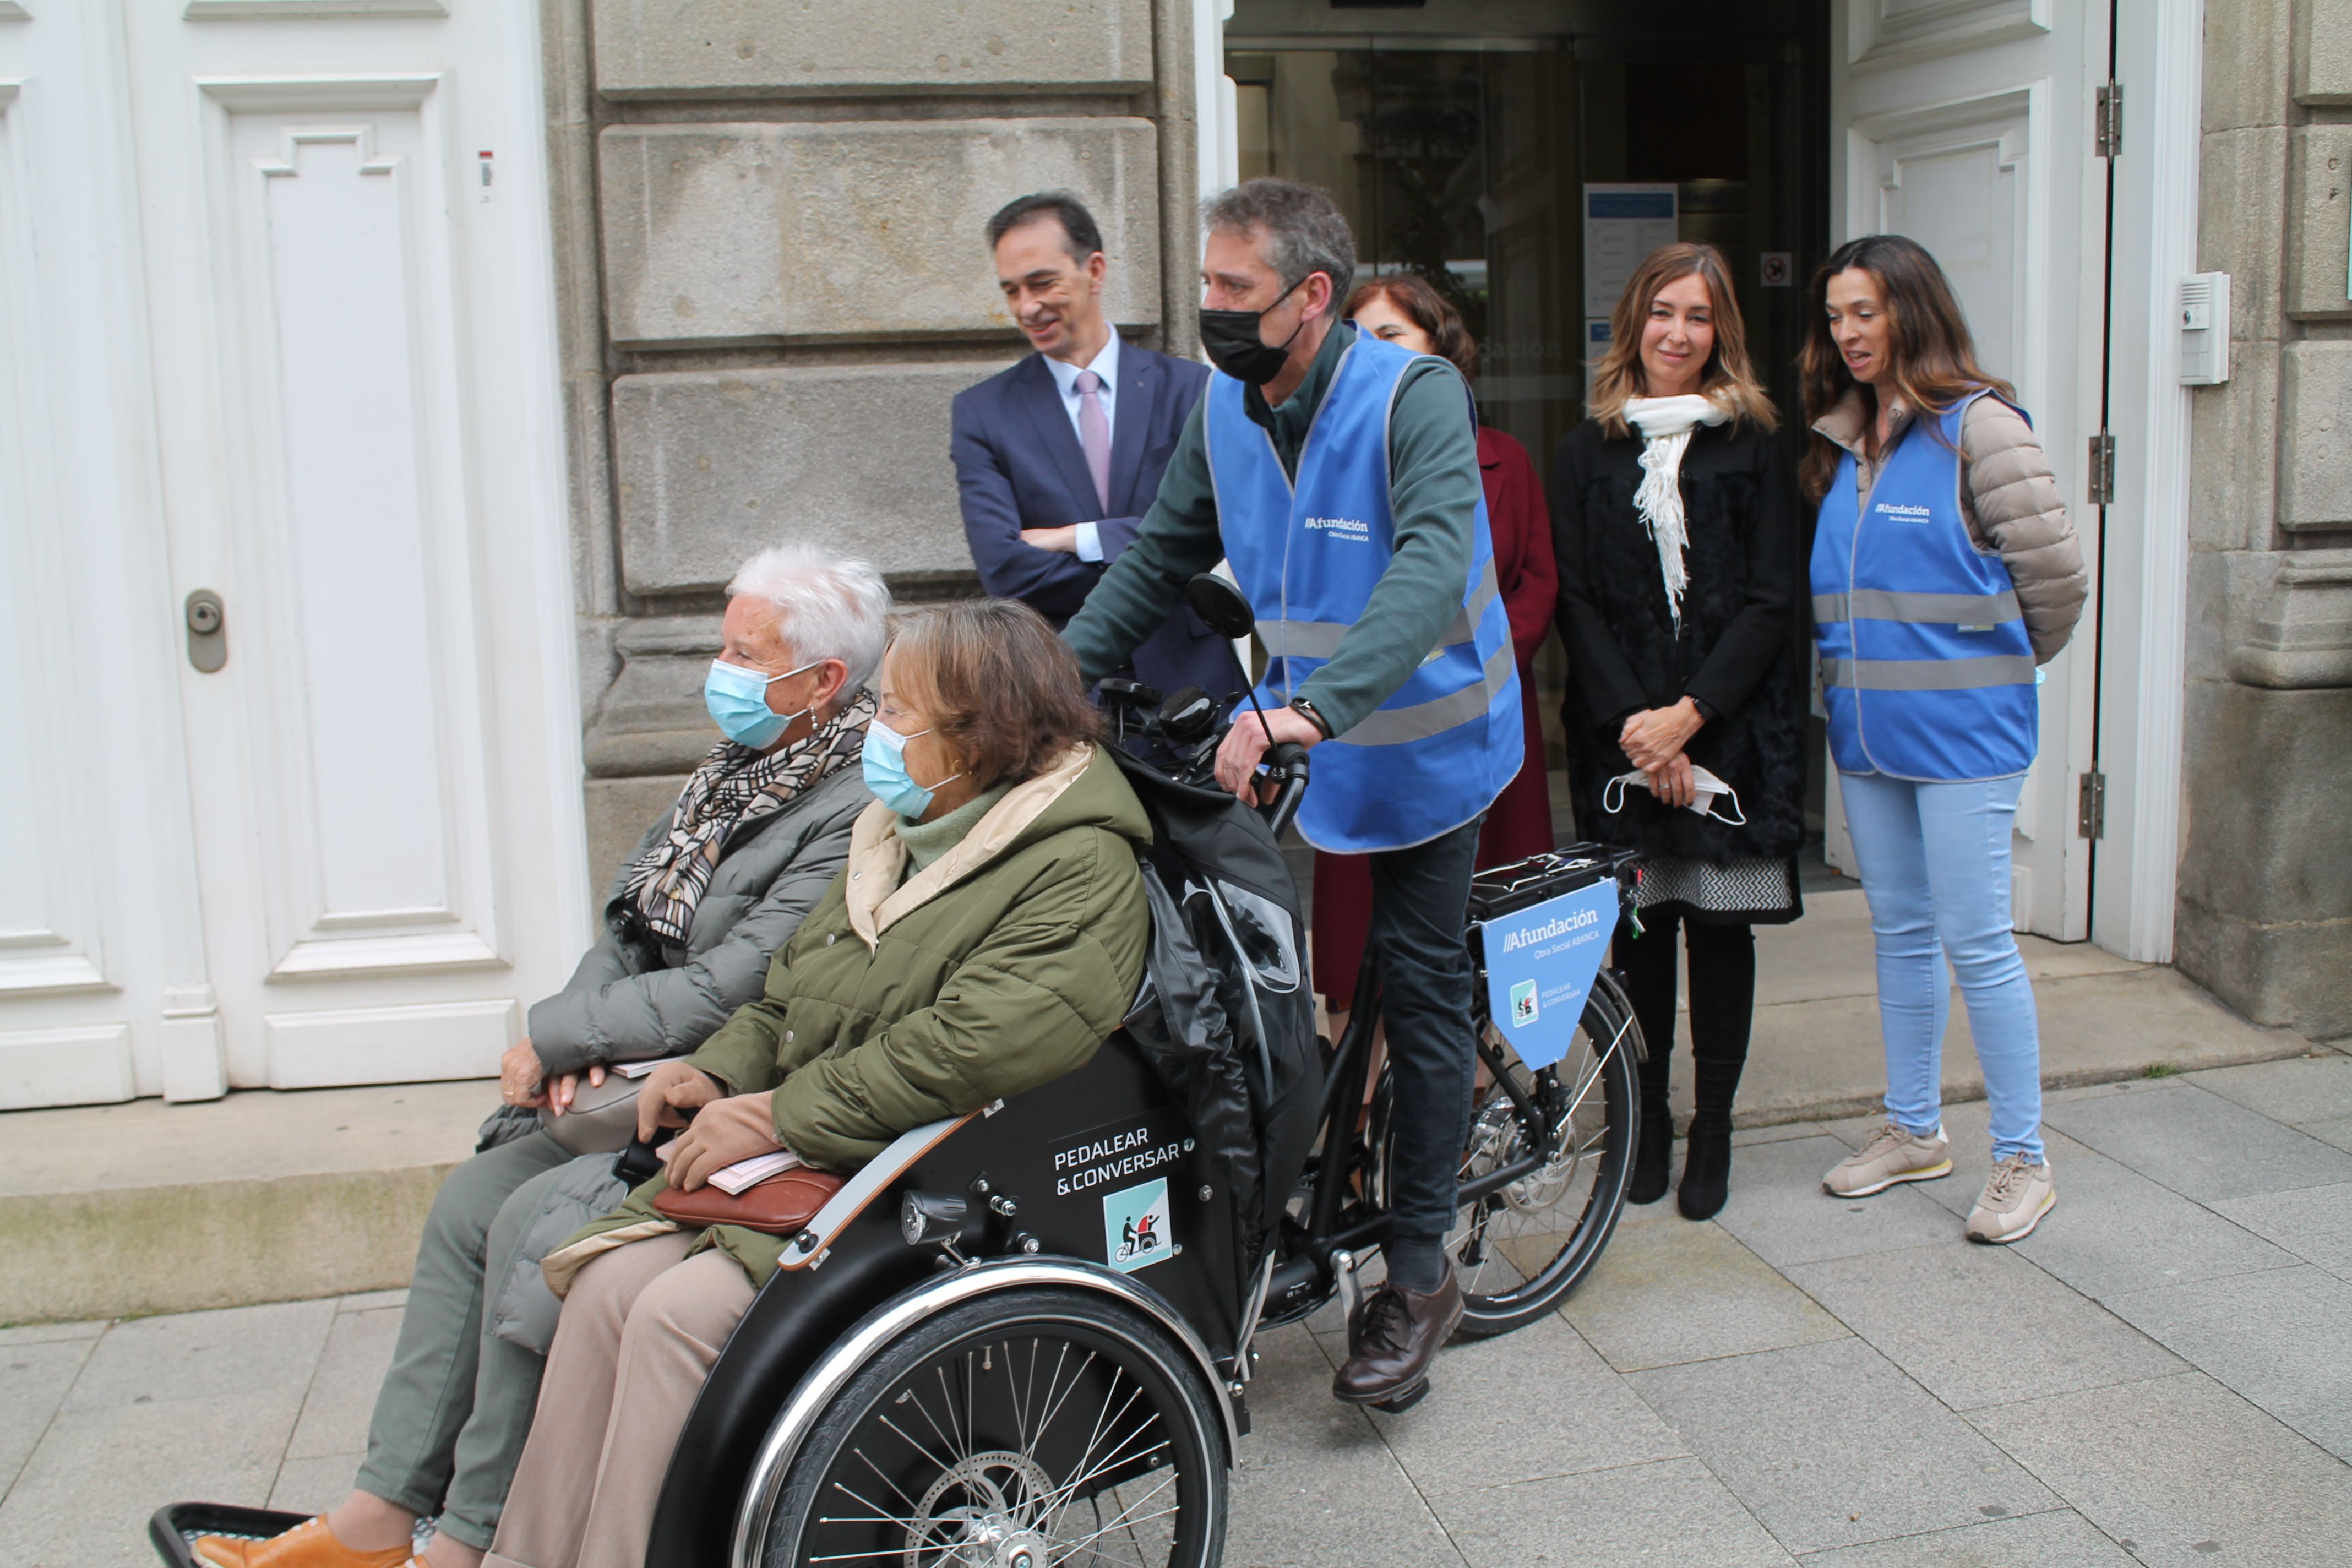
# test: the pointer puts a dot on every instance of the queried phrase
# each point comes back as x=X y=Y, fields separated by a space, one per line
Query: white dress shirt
x=1065 y=380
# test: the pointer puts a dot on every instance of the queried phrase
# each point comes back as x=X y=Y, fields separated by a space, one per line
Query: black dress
x=1736 y=653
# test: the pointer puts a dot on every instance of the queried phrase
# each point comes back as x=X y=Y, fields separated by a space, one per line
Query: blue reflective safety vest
x=1439 y=750
x=1926 y=665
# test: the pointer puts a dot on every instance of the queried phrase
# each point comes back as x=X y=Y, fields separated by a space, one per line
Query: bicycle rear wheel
x=1521 y=1249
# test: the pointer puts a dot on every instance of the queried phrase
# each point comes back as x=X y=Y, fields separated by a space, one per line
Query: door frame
x=2144 y=606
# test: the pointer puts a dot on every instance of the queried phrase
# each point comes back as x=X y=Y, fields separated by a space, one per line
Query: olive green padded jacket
x=1004 y=965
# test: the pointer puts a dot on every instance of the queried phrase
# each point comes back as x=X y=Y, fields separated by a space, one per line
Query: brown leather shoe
x=1392 y=1341
x=310 y=1545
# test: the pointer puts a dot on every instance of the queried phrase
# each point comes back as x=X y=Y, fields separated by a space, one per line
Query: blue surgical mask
x=737 y=700
x=885 y=761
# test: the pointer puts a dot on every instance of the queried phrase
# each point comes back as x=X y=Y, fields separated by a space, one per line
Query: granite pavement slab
x=1778 y=1211
x=1831 y=1445
x=2059 y=1539
x=1667 y=1291
x=2283 y=1338
x=2313 y=1223
x=2183 y=1473
x=1671 y=1513
x=2200 y=1145
x=1981 y=1325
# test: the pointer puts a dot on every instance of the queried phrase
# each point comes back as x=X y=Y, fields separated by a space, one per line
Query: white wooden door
x=335 y=260
x=103 y=987
x=1967 y=124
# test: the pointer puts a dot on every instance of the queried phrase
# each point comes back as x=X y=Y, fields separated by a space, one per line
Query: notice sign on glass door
x=1622 y=223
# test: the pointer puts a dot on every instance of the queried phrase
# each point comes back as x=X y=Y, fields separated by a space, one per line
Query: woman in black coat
x=1674 y=518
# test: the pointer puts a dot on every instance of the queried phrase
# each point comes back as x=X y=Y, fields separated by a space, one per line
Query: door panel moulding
x=289 y=10
x=65 y=1066
x=1884 y=33
x=52 y=936
x=390 y=1045
x=335 y=286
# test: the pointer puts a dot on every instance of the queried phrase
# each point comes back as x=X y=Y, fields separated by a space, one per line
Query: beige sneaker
x=1892 y=1155
x=2016 y=1196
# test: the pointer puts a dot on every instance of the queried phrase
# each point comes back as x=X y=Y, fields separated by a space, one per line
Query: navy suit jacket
x=1019 y=465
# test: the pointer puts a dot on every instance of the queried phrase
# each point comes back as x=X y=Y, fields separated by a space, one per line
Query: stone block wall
x=774 y=278
x=2265 y=911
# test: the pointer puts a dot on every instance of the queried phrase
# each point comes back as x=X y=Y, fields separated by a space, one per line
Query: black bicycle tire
x=996 y=1313
x=1606 y=1204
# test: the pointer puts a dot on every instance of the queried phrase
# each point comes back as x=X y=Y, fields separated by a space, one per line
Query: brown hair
x=1932 y=358
x=1427 y=309
x=997 y=685
x=1727 y=378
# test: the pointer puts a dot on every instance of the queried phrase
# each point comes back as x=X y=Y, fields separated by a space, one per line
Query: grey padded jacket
x=629 y=1000
x=2011 y=501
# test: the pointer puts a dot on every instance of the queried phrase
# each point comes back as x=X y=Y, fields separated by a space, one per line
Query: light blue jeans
x=1935 y=866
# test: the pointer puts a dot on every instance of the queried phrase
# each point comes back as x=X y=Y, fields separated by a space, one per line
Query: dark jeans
x=1722 y=1003
x=1420 y=899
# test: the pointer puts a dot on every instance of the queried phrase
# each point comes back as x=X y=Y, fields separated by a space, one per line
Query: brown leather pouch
x=782 y=1205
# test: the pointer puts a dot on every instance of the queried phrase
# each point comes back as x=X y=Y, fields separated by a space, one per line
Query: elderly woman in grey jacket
x=712 y=892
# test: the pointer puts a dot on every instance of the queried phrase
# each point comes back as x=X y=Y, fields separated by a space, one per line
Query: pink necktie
x=1093 y=435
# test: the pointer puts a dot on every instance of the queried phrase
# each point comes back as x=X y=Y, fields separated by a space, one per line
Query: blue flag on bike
x=1541 y=961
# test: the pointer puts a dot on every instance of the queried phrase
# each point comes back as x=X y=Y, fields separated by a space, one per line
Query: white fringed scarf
x=1666 y=424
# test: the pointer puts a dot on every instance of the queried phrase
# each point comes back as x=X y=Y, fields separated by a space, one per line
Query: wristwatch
x=1314 y=717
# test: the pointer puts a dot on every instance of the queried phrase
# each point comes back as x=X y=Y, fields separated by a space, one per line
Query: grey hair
x=826 y=606
x=1300 y=228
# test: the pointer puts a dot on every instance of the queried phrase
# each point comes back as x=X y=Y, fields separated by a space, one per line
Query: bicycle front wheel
x=1521 y=1249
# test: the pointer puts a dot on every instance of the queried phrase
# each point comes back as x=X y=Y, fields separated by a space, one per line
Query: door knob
x=207 y=631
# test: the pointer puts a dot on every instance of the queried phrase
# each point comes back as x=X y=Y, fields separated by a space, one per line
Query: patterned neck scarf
x=734 y=787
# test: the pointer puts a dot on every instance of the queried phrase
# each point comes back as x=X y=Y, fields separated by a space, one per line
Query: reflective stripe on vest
x=1928 y=674
x=1320 y=639
x=1927 y=669
x=1934 y=609
x=1308 y=556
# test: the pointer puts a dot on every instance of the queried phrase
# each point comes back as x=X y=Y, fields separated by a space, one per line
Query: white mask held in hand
x=1705 y=786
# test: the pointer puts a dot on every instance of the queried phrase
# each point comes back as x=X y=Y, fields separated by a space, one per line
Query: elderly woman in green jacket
x=987 y=936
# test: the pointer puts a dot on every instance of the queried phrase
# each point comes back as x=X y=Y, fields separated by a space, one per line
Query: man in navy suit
x=1058 y=458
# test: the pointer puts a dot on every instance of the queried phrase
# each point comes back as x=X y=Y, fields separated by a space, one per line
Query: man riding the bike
x=1366 y=550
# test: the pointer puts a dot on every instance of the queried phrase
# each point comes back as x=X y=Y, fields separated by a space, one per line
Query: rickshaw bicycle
x=1021 y=1338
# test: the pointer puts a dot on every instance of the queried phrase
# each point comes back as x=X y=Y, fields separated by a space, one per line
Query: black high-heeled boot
x=1707 y=1168
x=1654 y=1153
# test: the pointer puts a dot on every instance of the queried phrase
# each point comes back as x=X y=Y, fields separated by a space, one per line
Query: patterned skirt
x=1744 y=892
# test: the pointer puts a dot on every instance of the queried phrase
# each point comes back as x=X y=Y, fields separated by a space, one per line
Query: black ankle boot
x=1706 y=1169
x=1652 y=1155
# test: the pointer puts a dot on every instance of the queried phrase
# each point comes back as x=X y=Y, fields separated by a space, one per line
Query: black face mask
x=1231 y=342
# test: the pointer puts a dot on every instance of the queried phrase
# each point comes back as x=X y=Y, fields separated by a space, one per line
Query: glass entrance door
x=1491 y=165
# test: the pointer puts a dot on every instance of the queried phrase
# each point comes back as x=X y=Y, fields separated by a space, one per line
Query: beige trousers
x=637 y=1338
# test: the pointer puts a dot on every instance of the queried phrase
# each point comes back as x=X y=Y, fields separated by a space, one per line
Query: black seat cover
x=1226 y=1016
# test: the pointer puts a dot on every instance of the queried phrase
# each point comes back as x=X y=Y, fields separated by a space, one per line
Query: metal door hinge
x=2107 y=122
x=2092 y=818
x=2100 y=485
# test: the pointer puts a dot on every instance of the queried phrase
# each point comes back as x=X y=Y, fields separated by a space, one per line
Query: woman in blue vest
x=1681 y=575
x=1944 y=573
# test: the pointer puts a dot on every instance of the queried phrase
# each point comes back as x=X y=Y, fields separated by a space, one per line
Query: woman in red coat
x=1406 y=310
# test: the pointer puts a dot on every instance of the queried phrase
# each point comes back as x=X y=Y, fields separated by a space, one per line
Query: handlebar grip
x=1290 y=756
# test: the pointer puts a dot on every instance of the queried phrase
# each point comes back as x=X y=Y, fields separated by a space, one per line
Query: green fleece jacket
x=1000 y=966
x=1433 y=494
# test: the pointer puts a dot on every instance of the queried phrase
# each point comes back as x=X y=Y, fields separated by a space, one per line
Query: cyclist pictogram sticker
x=1136 y=1232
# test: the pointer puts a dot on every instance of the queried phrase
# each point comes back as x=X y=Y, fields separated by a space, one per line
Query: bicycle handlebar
x=1287 y=765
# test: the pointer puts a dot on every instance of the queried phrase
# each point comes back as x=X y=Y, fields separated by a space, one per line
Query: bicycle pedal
x=1403 y=1399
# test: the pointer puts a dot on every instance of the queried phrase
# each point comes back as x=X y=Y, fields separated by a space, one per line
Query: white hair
x=827 y=606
